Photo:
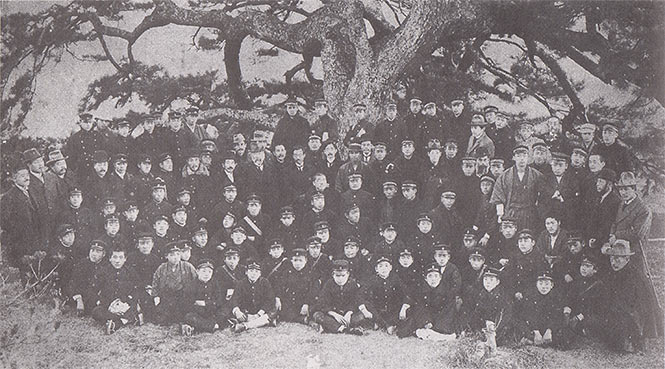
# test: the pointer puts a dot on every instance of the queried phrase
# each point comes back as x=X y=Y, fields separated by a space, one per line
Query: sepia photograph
x=332 y=184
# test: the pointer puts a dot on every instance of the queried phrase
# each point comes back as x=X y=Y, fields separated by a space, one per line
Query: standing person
x=517 y=190
x=458 y=121
x=616 y=155
x=292 y=129
x=389 y=130
x=632 y=223
x=37 y=190
x=604 y=209
x=58 y=179
x=360 y=125
x=82 y=144
x=325 y=126
x=479 y=141
x=150 y=142
x=19 y=218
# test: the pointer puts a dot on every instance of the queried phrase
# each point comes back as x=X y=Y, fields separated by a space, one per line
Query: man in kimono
x=517 y=190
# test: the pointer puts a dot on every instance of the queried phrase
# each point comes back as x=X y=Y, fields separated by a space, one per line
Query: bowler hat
x=55 y=156
x=627 y=179
x=619 y=248
x=31 y=154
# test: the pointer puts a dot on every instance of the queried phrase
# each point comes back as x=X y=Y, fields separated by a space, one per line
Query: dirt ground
x=36 y=335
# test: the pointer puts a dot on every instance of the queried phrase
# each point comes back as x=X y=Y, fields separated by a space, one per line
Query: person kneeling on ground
x=202 y=300
x=337 y=302
x=295 y=289
x=253 y=301
x=117 y=304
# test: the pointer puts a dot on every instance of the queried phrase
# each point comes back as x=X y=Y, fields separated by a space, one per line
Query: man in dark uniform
x=57 y=181
x=430 y=128
x=325 y=126
x=561 y=192
x=202 y=301
x=253 y=301
x=390 y=129
x=122 y=142
x=292 y=129
x=294 y=289
x=412 y=120
x=82 y=144
x=151 y=141
x=354 y=165
x=337 y=308
x=360 y=126
x=97 y=181
x=119 y=179
x=502 y=136
x=86 y=278
x=37 y=191
x=458 y=121
x=616 y=155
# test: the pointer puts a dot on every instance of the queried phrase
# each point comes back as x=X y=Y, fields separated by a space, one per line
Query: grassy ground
x=36 y=335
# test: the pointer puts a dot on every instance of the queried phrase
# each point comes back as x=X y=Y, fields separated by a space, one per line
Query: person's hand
x=278 y=303
x=364 y=252
x=567 y=278
x=366 y=313
x=518 y=295
x=612 y=239
x=79 y=304
x=567 y=310
x=458 y=303
x=304 y=310
x=402 y=311
x=592 y=242
x=260 y=313
x=338 y=317
x=157 y=300
x=347 y=318
x=239 y=314
x=483 y=241
x=503 y=262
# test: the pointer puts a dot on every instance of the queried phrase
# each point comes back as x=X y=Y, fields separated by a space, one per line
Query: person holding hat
x=433 y=314
x=604 y=209
x=86 y=278
x=385 y=299
x=629 y=312
x=324 y=126
x=632 y=224
x=202 y=302
x=253 y=301
x=479 y=140
x=292 y=129
x=117 y=304
x=516 y=190
x=336 y=311
x=294 y=289
x=616 y=154
x=19 y=218
x=540 y=314
x=389 y=129
x=561 y=191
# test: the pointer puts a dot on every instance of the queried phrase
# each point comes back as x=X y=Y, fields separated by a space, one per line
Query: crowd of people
x=436 y=223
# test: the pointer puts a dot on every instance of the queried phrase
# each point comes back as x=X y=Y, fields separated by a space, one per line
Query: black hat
x=108 y=201
x=111 y=218
x=253 y=265
x=173 y=247
x=471 y=232
x=424 y=216
x=99 y=245
x=405 y=251
x=487 y=178
x=165 y=156
x=492 y=272
x=526 y=233
x=559 y=156
x=520 y=149
x=160 y=217
x=490 y=108
x=340 y=265
x=205 y=264
x=388 y=225
x=539 y=144
x=144 y=158
x=275 y=242
x=253 y=198
x=231 y=251
x=321 y=225
x=75 y=190
x=286 y=210
x=383 y=258
x=63 y=229
x=298 y=252
x=508 y=219
x=409 y=183
x=352 y=240
x=477 y=252
x=100 y=156
x=442 y=247
x=239 y=229
x=178 y=208
x=313 y=241
x=433 y=268
x=545 y=275
x=574 y=236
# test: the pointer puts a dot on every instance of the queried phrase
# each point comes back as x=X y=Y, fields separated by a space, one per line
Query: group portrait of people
x=437 y=222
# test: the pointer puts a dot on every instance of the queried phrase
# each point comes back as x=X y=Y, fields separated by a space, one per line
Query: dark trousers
x=102 y=314
x=169 y=310
x=291 y=313
x=331 y=325
x=205 y=323
x=443 y=321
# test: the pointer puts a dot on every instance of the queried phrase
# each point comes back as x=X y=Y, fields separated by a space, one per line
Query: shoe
x=356 y=331
x=187 y=330
x=376 y=326
x=239 y=328
x=273 y=322
x=110 y=326
x=391 y=330
x=139 y=319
